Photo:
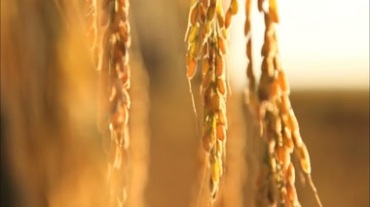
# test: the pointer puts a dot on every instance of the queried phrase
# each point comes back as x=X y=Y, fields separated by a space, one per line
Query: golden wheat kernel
x=220 y=65
x=122 y=14
x=126 y=58
x=264 y=66
x=219 y=151
x=274 y=89
x=211 y=12
x=260 y=5
x=285 y=157
x=263 y=94
x=273 y=163
x=220 y=18
x=249 y=50
x=222 y=118
x=220 y=131
x=249 y=71
x=221 y=167
x=221 y=44
x=290 y=173
x=282 y=190
x=277 y=63
x=194 y=31
x=118 y=52
x=234 y=7
x=288 y=141
x=205 y=66
x=221 y=86
x=285 y=103
x=212 y=2
x=191 y=67
x=124 y=77
x=304 y=158
x=220 y=14
x=271 y=145
x=125 y=114
x=194 y=12
x=208 y=28
x=117 y=121
x=205 y=50
x=126 y=102
x=291 y=192
x=292 y=121
x=276 y=124
x=266 y=47
x=123 y=31
x=202 y=12
x=207 y=79
x=123 y=3
x=283 y=82
x=271 y=46
x=224 y=33
x=207 y=97
x=194 y=47
x=215 y=171
x=216 y=102
x=228 y=18
x=273 y=11
x=264 y=51
x=297 y=139
x=247 y=29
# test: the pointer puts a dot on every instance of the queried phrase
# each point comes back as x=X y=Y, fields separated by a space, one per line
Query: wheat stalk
x=206 y=42
x=279 y=126
x=114 y=85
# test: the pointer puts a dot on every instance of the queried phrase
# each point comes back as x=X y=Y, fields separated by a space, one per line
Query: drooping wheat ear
x=115 y=82
x=206 y=41
x=279 y=125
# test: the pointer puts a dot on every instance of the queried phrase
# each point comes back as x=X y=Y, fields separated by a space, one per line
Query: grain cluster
x=206 y=40
x=114 y=99
x=278 y=124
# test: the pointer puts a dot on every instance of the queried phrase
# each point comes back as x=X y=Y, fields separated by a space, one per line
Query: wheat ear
x=206 y=43
x=115 y=82
x=279 y=125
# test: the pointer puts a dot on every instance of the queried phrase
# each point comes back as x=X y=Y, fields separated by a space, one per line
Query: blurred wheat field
x=53 y=155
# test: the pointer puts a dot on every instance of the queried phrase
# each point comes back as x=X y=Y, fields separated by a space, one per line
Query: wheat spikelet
x=279 y=126
x=114 y=85
x=206 y=41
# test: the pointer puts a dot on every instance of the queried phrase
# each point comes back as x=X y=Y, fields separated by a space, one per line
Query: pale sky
x=323 y=43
